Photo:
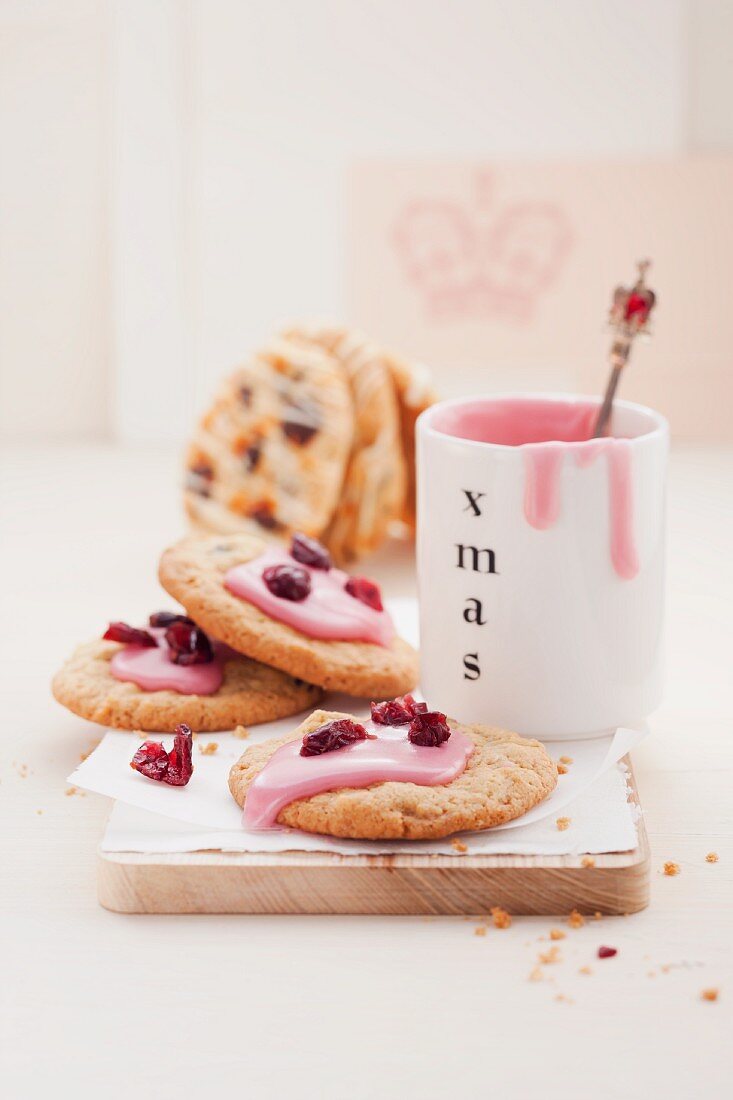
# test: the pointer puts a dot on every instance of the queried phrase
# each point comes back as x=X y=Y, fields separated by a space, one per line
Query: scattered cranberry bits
x=428 y=728
x=396 y=712
x=361 y=588
x=291 y=582
x=128 y=635
x=187 y=643
x=175 y=767
x=333 y=735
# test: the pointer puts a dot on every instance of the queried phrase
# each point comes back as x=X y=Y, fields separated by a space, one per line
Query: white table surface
x=351 y=1007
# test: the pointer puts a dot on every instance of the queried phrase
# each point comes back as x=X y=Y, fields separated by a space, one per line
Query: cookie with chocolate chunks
x=270 y=454
x=194 y=570
x=504 y=777
x=374 y=488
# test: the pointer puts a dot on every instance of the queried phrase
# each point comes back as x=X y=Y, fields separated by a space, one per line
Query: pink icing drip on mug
x=288 y=776
x=152 y=669
x=542 y=492
x=328 y=612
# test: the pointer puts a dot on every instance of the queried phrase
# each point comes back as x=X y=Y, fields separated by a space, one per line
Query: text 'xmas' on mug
x=541 y=562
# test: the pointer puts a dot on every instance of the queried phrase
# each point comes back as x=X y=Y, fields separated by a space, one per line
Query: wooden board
x=316 y=882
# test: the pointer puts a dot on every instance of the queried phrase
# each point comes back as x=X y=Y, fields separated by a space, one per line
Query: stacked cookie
x=264 y=630
x=315 y=433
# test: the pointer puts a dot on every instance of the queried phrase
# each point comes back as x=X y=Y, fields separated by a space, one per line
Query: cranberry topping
x=310 y=552
x=361 y=588
x=166 y=618
x=397 y=712
x=428 y=728
x=333 y=735
x=174 y=767
x=607 y=952
x=129 y=635
x=188 y=644
x=289 y=582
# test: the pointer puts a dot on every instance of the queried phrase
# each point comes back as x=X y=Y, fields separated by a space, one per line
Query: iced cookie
x=270 y=454
x=171 y=673
x=373 y=492
x=408 y=773
x=291 y=608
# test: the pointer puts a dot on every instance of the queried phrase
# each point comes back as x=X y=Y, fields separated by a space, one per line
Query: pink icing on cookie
x=288 y=776
x=152 y=669
x=328 y=612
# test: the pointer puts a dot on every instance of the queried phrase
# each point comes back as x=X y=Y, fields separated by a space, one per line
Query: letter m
x=481 y=561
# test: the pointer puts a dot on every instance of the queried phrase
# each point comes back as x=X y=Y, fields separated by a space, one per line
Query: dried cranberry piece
x=361 y=588
x=180 y=758
x=166 y=618
x=430 y=728
x=397 y=712
x=175 y=767
x=129 y=635
x=289 y=582
x=188 y=644
x=310 y=552
x=302 y=421
x=607 y=952
x=333 y=735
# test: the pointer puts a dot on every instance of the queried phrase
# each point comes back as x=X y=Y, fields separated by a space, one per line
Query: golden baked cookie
x=193 y=572
x=506 y=775
x=269 y=456
x=414 y=394
x=250 y=693
x=373 y=492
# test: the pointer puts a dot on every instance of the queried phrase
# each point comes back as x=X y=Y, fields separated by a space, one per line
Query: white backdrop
x=171 y=173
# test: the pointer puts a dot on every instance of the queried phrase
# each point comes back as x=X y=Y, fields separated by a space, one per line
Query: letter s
x=470 y=664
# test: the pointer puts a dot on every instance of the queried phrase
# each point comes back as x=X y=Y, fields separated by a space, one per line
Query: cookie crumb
x=566 y=1000
x=561 y=769
x=671 y=868
x=597 y=915
x=712 y=857
x=551 y=956
x=72 y=791
x=576 y=919
x=585 y=970
x=241 y=732
x=587 y=861
x=500 y=917
x=480 y=930
x=536 y=974
x=709 y=994
x=566 y=759
x=563 y=823
x=85 y=755
x=557 y=934
x=458 y=845
x=209 y=749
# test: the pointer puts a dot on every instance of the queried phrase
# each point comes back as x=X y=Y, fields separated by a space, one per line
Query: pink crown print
x=481 y=259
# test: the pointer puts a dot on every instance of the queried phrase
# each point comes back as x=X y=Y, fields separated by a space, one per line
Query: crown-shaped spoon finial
x=628 y=318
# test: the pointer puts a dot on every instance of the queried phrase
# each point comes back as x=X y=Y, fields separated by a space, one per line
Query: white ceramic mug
x=541 y=562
